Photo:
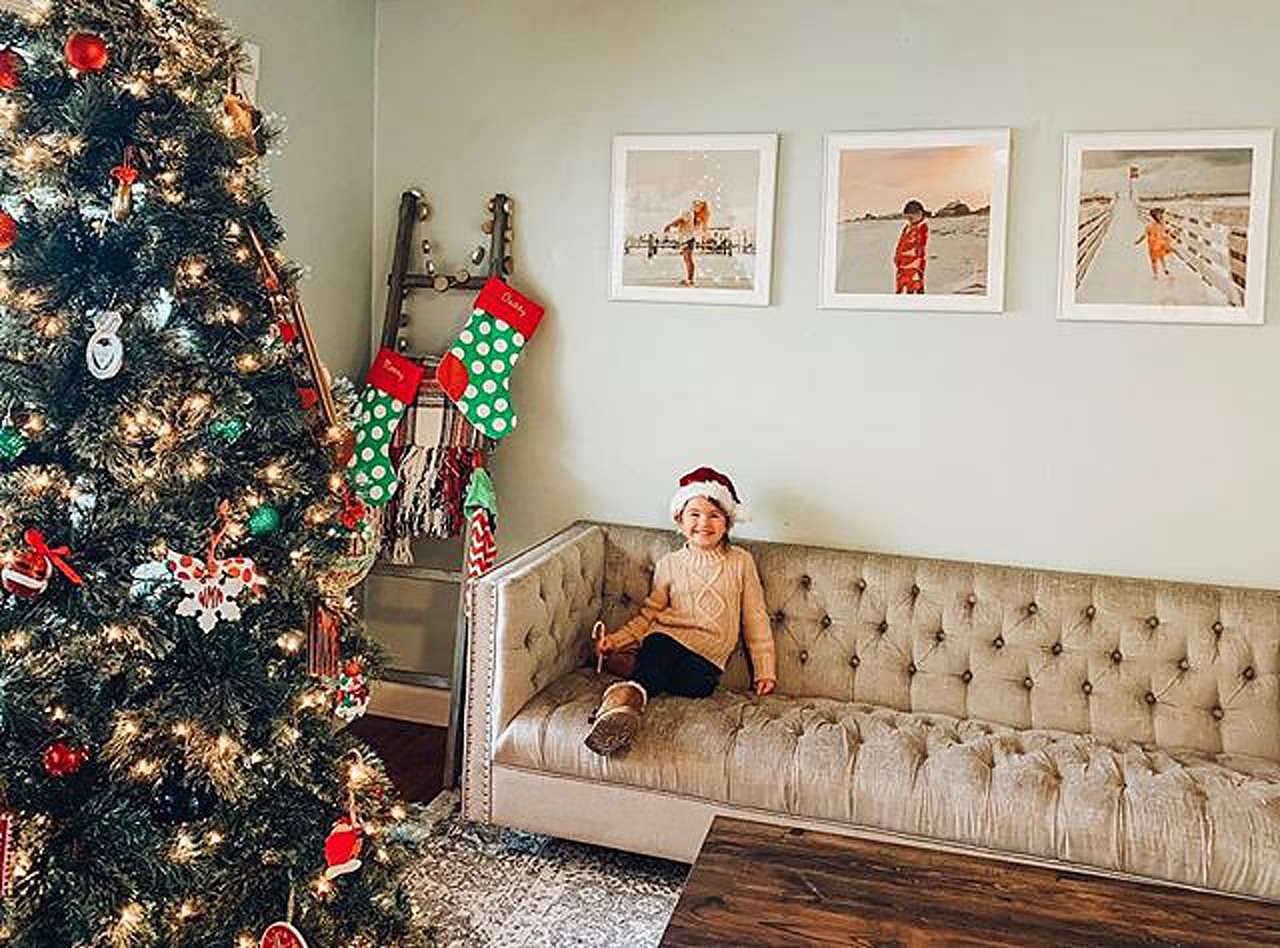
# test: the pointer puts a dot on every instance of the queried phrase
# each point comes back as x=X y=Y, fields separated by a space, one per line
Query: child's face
x=703 y=524
x=915 y=217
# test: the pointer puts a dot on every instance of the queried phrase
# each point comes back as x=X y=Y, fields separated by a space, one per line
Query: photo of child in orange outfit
x=909 y=255
x=1159 y=245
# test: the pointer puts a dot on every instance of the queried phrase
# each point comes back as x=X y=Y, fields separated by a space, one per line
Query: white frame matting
x=759 y=295
x=1252 y=313
x=999 y=139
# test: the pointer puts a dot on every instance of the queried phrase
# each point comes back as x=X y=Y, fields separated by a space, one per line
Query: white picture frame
x=959 y=176
x=1182 y=194
x=659 y=233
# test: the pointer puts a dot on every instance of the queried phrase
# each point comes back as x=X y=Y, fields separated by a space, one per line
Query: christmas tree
x=177 y=647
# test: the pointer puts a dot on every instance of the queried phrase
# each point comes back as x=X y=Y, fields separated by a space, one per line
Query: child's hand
x=765 y=686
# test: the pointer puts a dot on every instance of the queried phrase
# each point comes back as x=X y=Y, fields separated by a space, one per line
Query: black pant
x=664 y=665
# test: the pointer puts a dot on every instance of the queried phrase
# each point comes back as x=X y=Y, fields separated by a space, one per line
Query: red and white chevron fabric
x=482 y=548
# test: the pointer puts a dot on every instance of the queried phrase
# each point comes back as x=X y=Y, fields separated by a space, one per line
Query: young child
x=908 y=257
x=1159 y=245
x=704 y=596
x=690 y=227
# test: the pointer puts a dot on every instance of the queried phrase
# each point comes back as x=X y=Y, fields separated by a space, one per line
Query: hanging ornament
x=87 y=52
x=281 y=935
x=6 y=848
x=27 y=576
x=228 y=429
x=8 y=231
x=211 y=586
x=324 y=629
x=264 y=520
x=12 y=443
x=105 y=352
x=62 y=760
x=342 y=848
x=11 y=66
x=243 y=120
x=351 y=699
x=29 y=573
x=125 y=175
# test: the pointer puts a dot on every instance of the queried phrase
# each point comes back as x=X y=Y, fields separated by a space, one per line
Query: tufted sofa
x=1127 y=725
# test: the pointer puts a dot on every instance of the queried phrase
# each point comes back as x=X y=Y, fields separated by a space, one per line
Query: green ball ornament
x=12 y=444
x=228 y=429
x=264 y=520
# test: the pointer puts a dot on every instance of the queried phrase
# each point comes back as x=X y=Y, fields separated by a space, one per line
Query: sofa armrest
x=530 y=625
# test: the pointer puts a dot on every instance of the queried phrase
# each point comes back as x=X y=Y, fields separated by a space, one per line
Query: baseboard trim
x=413 y=703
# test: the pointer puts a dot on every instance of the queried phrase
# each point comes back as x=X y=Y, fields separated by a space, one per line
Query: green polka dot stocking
x=476 y=372
x=393 y=384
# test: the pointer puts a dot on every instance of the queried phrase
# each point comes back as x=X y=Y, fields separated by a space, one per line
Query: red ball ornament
x=282 y=935
x=11 y=65
x=28 y=575
x=87 y=52
x=342 y=848
x=8 y=231
x=62 y=760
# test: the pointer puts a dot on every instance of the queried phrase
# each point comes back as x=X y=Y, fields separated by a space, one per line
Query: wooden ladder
x=400 y=283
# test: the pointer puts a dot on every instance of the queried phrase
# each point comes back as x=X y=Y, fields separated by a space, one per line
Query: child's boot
x=615 y=722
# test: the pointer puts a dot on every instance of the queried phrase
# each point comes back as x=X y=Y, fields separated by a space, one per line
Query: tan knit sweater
x=704 y=600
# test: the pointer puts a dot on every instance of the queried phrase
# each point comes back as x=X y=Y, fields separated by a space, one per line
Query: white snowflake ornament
x=211 y=587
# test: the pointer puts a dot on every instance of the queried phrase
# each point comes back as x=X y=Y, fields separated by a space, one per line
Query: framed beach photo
x=1165 y=227
x=692 y=218
x=915 y=221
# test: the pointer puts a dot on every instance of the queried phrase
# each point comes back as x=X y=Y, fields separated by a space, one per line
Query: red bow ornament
x=28 y=575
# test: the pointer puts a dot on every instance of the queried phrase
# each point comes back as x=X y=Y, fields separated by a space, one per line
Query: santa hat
x=709 y=483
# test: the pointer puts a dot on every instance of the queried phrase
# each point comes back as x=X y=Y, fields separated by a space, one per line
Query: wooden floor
x=413 y=753
x=755 y=884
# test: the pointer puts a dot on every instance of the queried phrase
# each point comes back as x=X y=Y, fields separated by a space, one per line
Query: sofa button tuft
x=1249 y=673
x=1217 y=628
x=1056 y=648
x=1217 y=713
x=883 y=627
x=1116 y=657
x=1184 y=664
x=1149 y=698
x=804 y=656
x=911 y=669
x=826 y=622
x=1032 y=609
x=967 y=676
x=1153 y=622
x=1087 y=688
x=1090 y=612
x=779 y=616
x=998 y=642
x=915 y=590
x=854 y=661
x=1027 y=683
x=861 y=585
x=806 y=581
x=971 y=599
x=940 y=635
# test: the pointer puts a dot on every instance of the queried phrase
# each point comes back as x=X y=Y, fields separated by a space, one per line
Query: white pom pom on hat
x=709 y=483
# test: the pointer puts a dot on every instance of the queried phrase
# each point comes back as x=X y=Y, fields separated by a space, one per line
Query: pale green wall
x=317 y=73
x=1133 y=448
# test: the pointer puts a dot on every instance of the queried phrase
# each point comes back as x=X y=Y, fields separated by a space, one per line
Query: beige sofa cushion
x=1200 y=818
x=1172 y=665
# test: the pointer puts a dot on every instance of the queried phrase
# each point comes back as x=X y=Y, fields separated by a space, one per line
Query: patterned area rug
x=477 y=885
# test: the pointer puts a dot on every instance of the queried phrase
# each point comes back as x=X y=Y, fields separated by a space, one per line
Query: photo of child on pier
x=690 y=219
x=1164 y=227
